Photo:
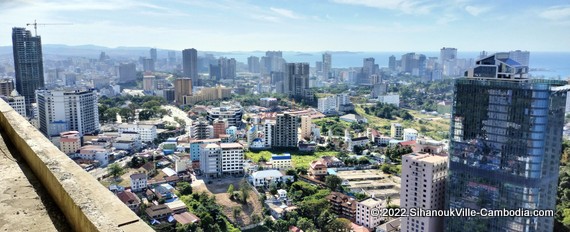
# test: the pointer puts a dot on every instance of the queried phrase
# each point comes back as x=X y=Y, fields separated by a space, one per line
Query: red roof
x=408 y=143
x=128 y=197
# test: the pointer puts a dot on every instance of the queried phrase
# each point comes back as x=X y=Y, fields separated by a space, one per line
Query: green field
x=298 y=159
x=437 y=128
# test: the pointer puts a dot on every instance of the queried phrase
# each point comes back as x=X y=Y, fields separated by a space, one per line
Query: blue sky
x=297 y=25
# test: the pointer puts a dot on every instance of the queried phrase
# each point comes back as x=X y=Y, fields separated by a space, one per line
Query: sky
x=296 y=25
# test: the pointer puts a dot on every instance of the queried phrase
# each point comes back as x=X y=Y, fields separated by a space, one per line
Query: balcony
x=44 y=190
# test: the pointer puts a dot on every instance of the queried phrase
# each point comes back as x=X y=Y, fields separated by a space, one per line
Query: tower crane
x=35 y=24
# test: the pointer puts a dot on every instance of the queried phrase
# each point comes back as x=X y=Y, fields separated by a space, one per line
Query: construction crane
x=43 y=24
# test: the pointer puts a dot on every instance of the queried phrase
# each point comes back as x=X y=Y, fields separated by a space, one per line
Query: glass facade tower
x=28 y=64
x=506 y=135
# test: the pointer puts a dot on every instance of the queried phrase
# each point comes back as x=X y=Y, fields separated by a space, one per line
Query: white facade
x=219 y=159
x=393 y=99
x=138 y=182
x=147 y=132
x=410 y=134
x=266 y=177
x=95 y=153
x=423 y=186
x=268 y=132
x=77 y=110
x=363 y=212
x=17 y=102
x=326 y=104
x=281 y=162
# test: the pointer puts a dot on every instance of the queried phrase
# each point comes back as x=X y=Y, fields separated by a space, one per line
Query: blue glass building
x=506 y=135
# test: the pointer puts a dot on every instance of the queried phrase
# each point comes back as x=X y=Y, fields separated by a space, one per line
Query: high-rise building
x=153 y=54
x=201 y=130
x=327 y=65
x=227 y=68
x=182 y=87
x=392 y=63
x=217 y=160
x=423 y=186
x=522 y=57
x=306 y=125
x=285 y=133
x=190 y=64
x=61 y=111
x=171 y=58
x=505 y=147
x=447 y=54
x=148 y=64
x=16 y=101
x=253 y=64
x=28 y=64
x=296 y=84
x=127 y=72
x=149 y=82
x=6 y=87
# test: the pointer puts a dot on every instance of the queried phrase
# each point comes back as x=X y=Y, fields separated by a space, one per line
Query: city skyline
x=341 y=25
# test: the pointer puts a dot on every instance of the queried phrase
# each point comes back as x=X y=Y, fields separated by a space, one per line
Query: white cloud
x=556 y=13
x=285 y=13
x=476 y=10
x=406 y=6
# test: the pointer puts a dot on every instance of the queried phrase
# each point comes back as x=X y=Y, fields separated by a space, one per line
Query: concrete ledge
x=87 y=205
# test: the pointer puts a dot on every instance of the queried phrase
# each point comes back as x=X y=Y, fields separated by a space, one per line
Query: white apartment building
x=393 y=99
x=396 y=131
x=423 y=186
x=219 y=159
x=232 y=158
x=60 y=111
x=268 y=128
x=17 y=102
x=138 y=182
x=364 y=210
x=410 y=134
x=147 y=132
x=69 y=142
x=326 y=104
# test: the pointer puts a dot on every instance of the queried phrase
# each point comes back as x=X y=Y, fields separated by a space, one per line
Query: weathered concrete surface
x=25 y=204
x=87 y=205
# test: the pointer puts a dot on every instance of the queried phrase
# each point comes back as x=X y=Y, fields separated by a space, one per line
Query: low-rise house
x=266 y=177
x=130 y=199
x=317 y=169
x=281 y=162
x=93 y=152
x=177 y=206
x=282 y=193
x=390 y=226
x=138 y=182
x=331 y=161
x=158 y=212
x=186 y=218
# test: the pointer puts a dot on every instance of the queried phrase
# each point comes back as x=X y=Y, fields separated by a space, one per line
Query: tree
x=230 y=190
x=115 y=170
x=236 y=211
x=184 y=188
x=333 y=182
x=305 y=224
x=244 y=189
x=281 y=226
x=363 y=160
x=339 y=224
x=146 y=114
x=325 y=218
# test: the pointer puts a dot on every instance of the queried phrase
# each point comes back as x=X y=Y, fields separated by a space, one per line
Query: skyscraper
x=506 y=136
x=182 y=87
x=28 y=64
x=127 y=73
x=227 y=68
x=447 y=54
x=392 y=63
x=327 y=64
x=68 y=110
x=296 y=84
x=253 y=64
x=190 y=64
x=153 y=54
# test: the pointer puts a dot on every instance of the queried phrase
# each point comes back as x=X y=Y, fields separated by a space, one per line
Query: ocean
x=553 y=65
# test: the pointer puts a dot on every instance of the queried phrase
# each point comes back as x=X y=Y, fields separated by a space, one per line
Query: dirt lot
x=219 y=188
